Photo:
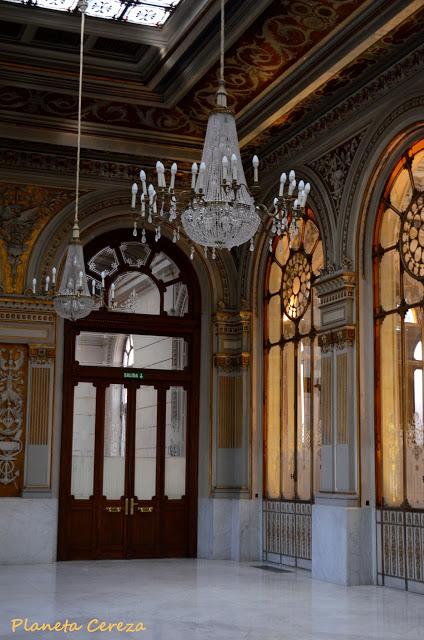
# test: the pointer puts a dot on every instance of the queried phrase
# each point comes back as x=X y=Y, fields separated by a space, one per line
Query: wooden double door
x=129 y=456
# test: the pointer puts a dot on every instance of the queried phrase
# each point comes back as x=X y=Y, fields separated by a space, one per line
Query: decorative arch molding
x=252 y=265
x=102 y=212
x=382 y=145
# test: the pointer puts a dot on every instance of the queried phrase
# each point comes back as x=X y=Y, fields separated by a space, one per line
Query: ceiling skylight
x=153 y=13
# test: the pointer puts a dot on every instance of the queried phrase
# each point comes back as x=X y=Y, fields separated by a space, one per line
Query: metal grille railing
x=400 y=545
x=287 y=533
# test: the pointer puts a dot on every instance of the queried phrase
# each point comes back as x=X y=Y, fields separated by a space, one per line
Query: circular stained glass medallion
x=296 y=287
x=412 y=238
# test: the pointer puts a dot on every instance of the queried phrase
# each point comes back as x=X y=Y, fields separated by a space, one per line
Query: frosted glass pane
x=311 y=236
x=275 y=275
x=273 y=411
x=401 y=193
x=114 y=441
x=288 y=422
x=274 y=319
x=145 y=443
x=83 y=435
x=391 y=423
x=390 y=226
x=304 y=387
x=413 y=289
x=318 y=259
x=289 y=328
x=282 y=250
x=390 y=280
x=418 y=170
x=175 y=443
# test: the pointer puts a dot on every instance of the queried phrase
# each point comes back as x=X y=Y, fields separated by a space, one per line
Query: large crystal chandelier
x=220 y=210
x=72 y=300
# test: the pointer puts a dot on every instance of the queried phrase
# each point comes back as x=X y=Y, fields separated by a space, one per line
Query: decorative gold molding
x=232 y=362
x=337 y=339
x=41 y=354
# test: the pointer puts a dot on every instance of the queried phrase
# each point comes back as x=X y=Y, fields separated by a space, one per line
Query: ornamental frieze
x=13 y=389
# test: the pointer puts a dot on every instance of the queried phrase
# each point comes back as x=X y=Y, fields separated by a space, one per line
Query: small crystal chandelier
x=72 y=300
x=221 y=210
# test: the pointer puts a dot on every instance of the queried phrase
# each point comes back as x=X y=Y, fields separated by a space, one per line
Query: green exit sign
x=134 y=375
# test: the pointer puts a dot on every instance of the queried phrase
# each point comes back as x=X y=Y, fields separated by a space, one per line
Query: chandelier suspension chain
x=82 y=8
x=222 y=41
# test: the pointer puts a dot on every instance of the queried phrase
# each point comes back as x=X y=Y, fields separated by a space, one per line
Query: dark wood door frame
x=187 y=327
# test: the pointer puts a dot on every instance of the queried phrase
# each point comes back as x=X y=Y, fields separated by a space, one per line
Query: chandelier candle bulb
x=255 y=163
x=234 y=167
x=193 y=175
x=143 y=181
x=143 y=205
x=301 y=185
x=134 y=190
x=112 y=291
x=201 y=176
x=224 y=168
x=283 y=180
x=292 y=187
x=292 y=176
x=173 y=174
x=47 y=283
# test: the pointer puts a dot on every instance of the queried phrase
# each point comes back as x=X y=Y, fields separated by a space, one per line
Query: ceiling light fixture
x=221 y=210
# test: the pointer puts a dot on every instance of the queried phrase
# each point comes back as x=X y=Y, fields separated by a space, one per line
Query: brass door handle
x=114 y=509
x=145 y=509
x=132 y=505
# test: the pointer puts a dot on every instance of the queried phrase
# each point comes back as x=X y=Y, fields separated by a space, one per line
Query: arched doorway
x=398 y=265
x=129 y=450
x=291 y=396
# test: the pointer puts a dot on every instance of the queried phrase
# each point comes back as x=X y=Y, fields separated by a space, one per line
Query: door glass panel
x=145 y=443
x=147 y=352
x=175 y=300
x=175 y=442
x=135 y=292
x=83 y=440
x=114 y=441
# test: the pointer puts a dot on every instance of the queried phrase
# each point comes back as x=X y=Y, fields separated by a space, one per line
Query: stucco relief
x=23 y=211
x=13 y=373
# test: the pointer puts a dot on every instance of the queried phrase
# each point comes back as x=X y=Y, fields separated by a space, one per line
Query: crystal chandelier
x=221 y=210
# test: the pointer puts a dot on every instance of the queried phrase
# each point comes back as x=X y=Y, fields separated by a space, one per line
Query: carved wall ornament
x=41 y=354
x=334 y=166
x=13 y=389
x=338 y=339
x=232 y=362
x=335 y=286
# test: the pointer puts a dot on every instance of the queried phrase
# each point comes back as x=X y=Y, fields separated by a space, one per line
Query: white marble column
x=341 y=528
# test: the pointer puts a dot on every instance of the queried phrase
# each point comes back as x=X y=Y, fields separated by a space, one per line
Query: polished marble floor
x=201 y=600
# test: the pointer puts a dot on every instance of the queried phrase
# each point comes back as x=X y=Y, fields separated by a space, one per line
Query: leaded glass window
x=152 y=13
x=292 y=365
x=398 y=312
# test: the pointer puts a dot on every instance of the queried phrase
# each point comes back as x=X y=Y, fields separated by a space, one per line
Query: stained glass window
x=399 y=331
x=152 y=13
x=292 y=365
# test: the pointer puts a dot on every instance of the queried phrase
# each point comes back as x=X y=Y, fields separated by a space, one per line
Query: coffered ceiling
x=148 y=90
